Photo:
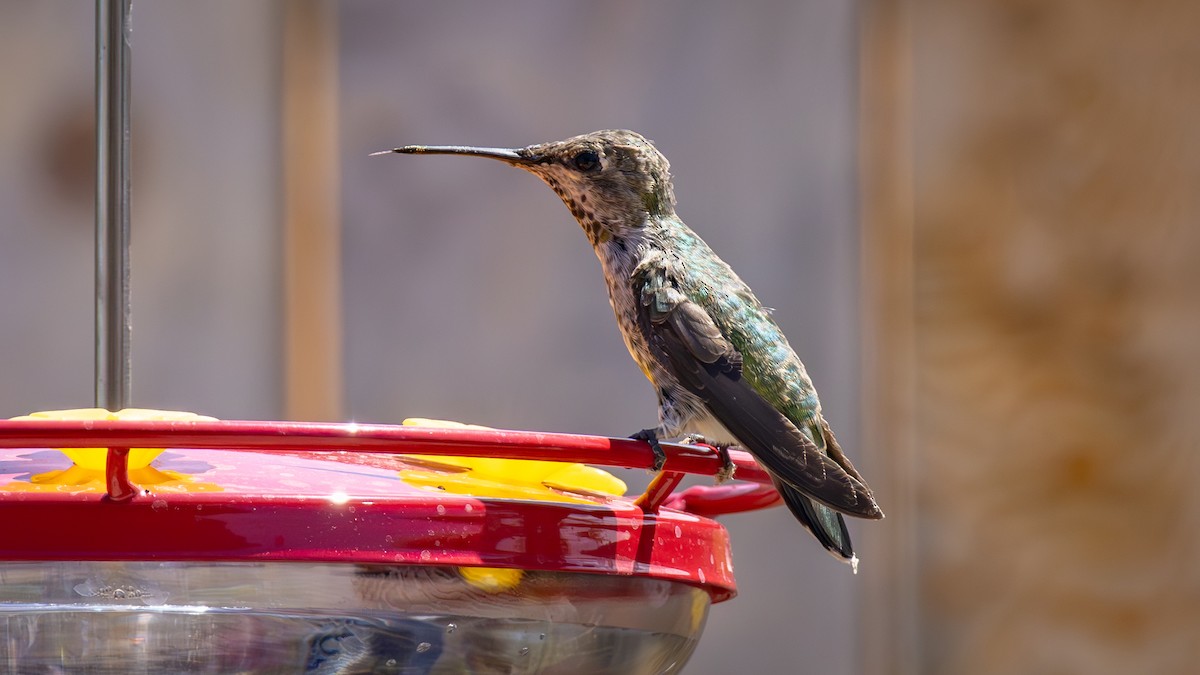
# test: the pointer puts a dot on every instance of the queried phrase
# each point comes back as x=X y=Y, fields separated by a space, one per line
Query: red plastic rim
x=287 y=491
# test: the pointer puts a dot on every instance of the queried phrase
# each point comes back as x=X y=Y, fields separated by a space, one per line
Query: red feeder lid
x=279 y=491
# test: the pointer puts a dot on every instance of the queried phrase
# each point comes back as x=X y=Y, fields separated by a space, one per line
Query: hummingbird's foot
x=651 y=437
x=728 y=468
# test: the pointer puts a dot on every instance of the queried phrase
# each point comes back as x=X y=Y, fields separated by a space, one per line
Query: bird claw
x=728 y=468
x=651 y=437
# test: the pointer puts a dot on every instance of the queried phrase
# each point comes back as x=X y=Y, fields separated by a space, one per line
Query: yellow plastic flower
x=94 y=459
x=491 y=579
x=509 y=478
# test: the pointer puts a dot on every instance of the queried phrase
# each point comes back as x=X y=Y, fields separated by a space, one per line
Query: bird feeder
x=144 y=541
x=296 y=547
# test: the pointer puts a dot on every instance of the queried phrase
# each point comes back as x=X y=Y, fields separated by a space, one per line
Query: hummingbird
x=723 y=370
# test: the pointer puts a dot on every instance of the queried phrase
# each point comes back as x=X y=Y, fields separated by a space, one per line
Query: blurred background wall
x=1042 y=182
x=976 y=222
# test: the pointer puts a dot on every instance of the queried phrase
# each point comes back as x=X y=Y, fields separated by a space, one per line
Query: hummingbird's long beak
x=502 y=154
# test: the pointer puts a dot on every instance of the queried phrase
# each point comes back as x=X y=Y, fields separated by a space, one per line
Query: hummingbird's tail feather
x=826 y=525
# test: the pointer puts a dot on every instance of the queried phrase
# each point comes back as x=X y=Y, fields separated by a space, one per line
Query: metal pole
x=112 y=204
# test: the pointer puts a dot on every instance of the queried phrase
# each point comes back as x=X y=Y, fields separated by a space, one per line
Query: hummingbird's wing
x=685 y=340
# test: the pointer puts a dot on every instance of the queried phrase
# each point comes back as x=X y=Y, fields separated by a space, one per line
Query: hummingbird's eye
x=586 y=161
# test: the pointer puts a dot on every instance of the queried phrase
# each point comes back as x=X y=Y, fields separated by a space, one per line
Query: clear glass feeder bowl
x=175 y=617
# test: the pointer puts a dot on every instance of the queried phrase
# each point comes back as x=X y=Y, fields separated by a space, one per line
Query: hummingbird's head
x=612 y=181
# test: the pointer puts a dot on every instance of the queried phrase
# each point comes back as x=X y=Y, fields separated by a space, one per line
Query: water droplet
x=118 y=593
x=678 y=532
x=523 y=651
x=351 y=509
x=701 y=575
x=426 y=555
x=541 y=636
x=441 y=509
x=712 y=559
x=450 y=627
x=468 y=508
x=388 y=539
x=423 y=647
x=437 y=542
x=390 y=663
x=159 y=504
